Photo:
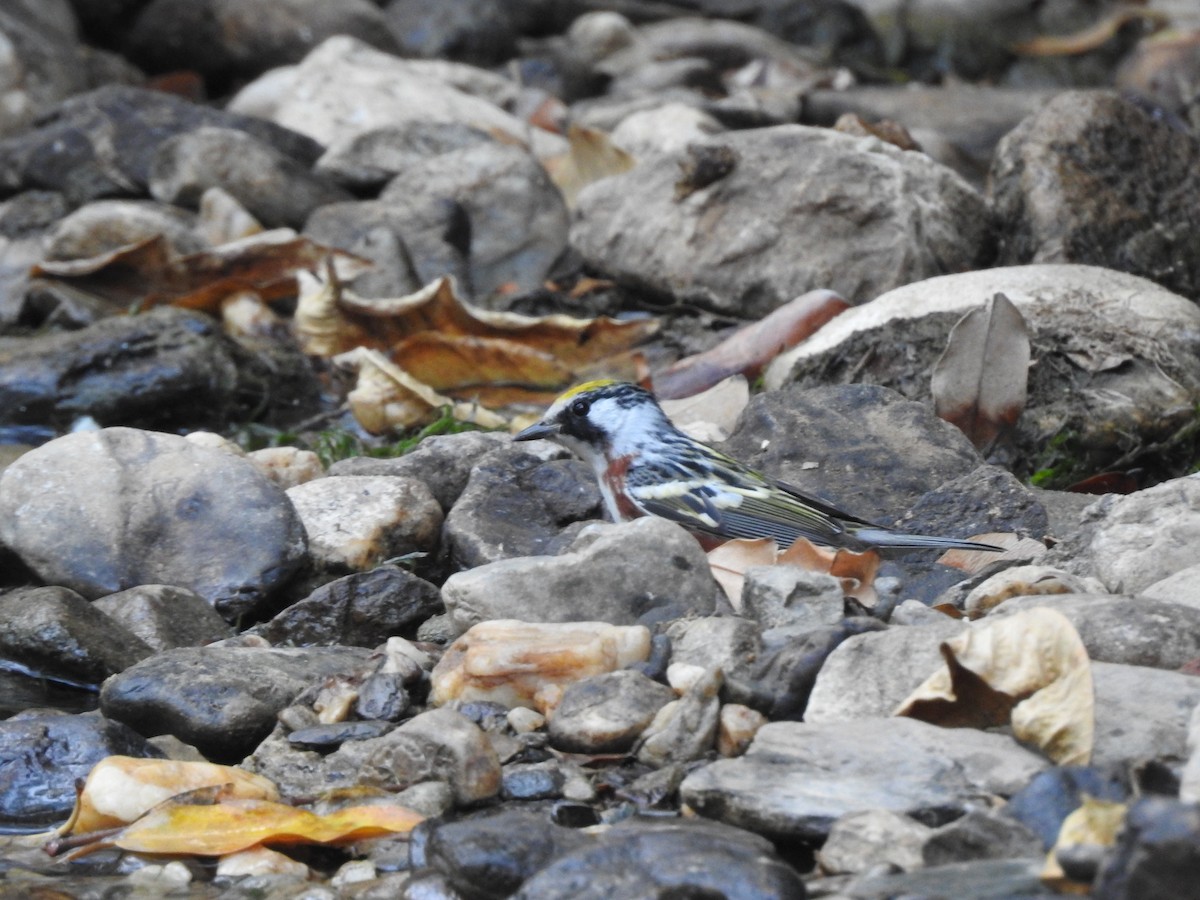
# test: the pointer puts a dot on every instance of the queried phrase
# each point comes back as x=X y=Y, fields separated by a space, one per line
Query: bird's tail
x=881 y=537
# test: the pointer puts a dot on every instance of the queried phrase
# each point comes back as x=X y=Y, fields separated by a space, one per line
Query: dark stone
x=1051 y=796
x=42 y=756
x=1157 y=856
x=515 y=505
x=221 y=700
x=877 y=454
x=103 y=143
x=784 y=678
x=479 y=32
x=533 y=781
x=57 y=633
x=333 y=735
x=382 y=696
x=168 y=369
x=165 y=616
x=360 y=610
x=490 y=855
x=642 y=860
x=1093 y=178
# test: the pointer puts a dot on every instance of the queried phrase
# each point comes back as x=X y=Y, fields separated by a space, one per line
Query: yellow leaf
x=1095 y=822
x=1029 y=669
x=238 y=824
x=119 y=789
x=590 y=156
x=856 y=571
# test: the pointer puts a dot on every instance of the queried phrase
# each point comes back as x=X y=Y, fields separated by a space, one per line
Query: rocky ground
x=578 y=708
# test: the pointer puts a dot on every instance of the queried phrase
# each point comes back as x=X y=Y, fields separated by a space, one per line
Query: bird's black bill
x=535 y=431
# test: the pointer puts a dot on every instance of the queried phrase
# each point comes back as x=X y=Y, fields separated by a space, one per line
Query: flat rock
x=1141 y=713
x=646 y=570
x=158 y=509
x=782 y=202
x=1133 y=631
x=165 y=616
x=798 y=778
x=1103 y=366
x=223 y=700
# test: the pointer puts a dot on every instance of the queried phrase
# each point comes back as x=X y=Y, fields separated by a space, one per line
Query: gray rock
x=103 y=143
x=728 y=643
x=218 y=38
x=606 y=713
x=647 y=570
x=1101 y=366
x=1189 y=781
x=958 y=124
x=164 y=616
x=788 y=664
x=981 y=834
x=1134 y=631
x=1065 y=188
x=487 y=214
x=870 y=674
x=798 y=778
x=1183 y=588
x=224 y=700
x=1157 y=854
x=776 y=596
x=158 y=509
x=499 y=848
x=533 y=781
x=777 y=196
x=360 y=610
x=876 y=453
x=168 y=368
x=1142 y=538
x=1141 y=713
x=273 y=187
x=43 y=756
x=860 y=841
x=438 y=745
x=977 y=880
x=516 y=505
x=480 y=32
x=677 y=858
x=57 y=633
x=358 y=522
x=104 y=225
x=443 y=462
x=685 y=729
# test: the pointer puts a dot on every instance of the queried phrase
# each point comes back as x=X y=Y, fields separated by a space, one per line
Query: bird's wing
x=718 y=495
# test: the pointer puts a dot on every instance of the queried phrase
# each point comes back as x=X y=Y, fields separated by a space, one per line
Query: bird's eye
x=580 y=408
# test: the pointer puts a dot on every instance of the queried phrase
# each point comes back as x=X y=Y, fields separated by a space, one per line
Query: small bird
x=647 y=467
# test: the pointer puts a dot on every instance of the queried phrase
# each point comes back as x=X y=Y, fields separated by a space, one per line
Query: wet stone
x=41 y=756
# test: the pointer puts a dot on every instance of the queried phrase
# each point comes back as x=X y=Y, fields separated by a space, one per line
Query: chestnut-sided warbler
x=647 y=467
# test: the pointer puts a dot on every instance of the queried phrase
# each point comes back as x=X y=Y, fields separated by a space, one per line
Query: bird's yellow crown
x=584 y=388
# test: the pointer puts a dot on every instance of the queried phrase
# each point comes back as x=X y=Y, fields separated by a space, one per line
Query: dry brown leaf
x=590 y=157
x=386 y=398
x=716 y=409
x=120 y=789
x=1092 y=37
x=233 y=825
x=1029 y=669
x=149 y=273
x=330 y=320
x=1096 y=823
x=856 y=571
x=749 y=349
x=974 y=561
x=979 y=382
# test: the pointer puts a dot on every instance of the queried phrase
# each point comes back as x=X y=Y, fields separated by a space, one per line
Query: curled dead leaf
x=120 y=789
x=856 y=571
x=1096 y=823
x=386 y=398
x=1029 y=669
x=590 y=156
